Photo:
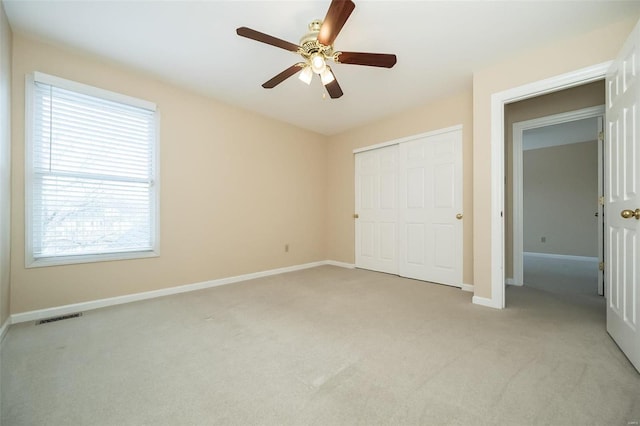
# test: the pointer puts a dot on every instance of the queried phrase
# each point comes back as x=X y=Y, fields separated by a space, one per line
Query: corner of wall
x=6 y=39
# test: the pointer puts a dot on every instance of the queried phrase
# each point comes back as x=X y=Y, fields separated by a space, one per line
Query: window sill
x=92 y=258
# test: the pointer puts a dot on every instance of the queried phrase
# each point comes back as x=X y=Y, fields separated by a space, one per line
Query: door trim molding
x=408 y=138
x=601 y=153
x=498 y=101
x=518 y=192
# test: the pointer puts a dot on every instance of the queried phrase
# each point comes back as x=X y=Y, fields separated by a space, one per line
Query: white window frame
x=30 y=260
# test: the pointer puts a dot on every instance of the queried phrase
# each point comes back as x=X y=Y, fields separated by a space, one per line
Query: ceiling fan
x=316 y=48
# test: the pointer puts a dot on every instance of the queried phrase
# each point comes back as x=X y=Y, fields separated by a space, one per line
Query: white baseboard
x=466 y=287
x=483 y=301
x=340 y=264
x=561 y=256
x=4 y=329
x=118 y=300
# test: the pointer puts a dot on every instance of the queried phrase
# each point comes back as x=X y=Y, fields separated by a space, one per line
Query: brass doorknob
x=459 y=216
x=628 y=214
x=356 y=215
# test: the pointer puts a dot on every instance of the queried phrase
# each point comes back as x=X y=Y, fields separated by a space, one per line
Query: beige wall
x=560 y=187
x=5 y=163
x=236 y=187
x=575 y=98
x=562 y=56
x=446 y=112
x=233 y=194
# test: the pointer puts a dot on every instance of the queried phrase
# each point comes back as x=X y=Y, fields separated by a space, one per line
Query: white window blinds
x=92 y=175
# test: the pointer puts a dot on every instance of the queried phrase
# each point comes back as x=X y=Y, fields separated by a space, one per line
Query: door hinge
x=601 y=266
x=601 y=200
x=600 y=136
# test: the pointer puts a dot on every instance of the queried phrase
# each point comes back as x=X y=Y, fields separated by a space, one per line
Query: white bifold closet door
x=409 y=207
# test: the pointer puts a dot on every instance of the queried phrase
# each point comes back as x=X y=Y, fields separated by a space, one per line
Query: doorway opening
x=553 y=166
x=499 y=101
x=621 y=196
x=558 y=224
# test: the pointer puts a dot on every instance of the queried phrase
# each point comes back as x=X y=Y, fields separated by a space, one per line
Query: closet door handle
x=459 y=216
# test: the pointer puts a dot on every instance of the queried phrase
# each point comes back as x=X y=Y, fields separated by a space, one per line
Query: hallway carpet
x=323 y=346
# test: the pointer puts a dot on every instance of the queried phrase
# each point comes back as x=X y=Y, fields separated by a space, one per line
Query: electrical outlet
x=543 y=239
x=286 y=248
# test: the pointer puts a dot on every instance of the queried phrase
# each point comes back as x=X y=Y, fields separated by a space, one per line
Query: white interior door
x=622 y=180
x=430 y=199
x=376 y=206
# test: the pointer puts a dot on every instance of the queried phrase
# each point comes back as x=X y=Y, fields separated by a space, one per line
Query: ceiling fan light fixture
x=316 y=49
x=327 y=76
x=317 y=63
x=306 y=75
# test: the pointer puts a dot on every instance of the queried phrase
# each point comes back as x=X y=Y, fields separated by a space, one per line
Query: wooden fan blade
x=266 y=38
x=333 y=88
x=383 y=60
x=283 y=76
x=337 y=15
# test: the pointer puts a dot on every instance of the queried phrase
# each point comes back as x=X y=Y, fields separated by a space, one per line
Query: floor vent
x=60 y=318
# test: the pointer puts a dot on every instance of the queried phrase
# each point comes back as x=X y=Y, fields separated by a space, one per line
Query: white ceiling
x=194 y=44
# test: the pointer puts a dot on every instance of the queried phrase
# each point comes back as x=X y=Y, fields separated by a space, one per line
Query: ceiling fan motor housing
x=309 y=44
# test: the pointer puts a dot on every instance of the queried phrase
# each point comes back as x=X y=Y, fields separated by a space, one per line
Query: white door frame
x=498 y=101
x=517 y=201
x=600 y=204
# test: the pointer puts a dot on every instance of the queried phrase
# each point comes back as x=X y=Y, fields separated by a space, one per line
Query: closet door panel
x=377 y=205
x=430 y=198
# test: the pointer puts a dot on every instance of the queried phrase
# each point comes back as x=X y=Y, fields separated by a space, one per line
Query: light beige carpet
x=325 y=346
x=561 y=275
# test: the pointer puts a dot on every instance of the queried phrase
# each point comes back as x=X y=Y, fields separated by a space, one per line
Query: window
x=91 y=190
